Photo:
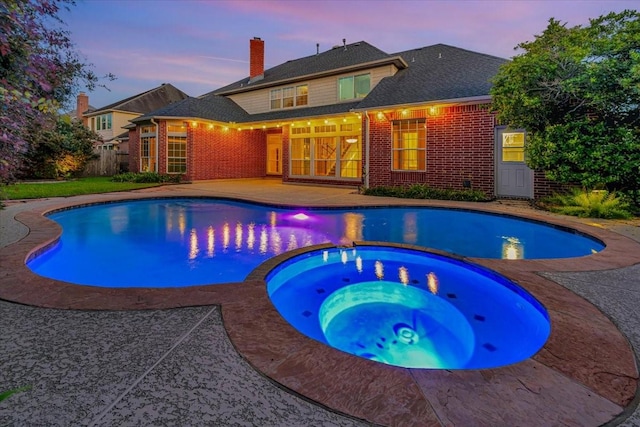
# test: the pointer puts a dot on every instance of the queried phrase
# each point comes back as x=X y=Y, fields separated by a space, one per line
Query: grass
x=91 y=185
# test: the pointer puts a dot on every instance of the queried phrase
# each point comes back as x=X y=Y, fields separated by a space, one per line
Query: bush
x=146 y=177
x=421 y=191
x=589 y=204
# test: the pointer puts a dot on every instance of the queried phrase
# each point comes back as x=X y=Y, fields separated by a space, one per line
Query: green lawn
x=93 y=185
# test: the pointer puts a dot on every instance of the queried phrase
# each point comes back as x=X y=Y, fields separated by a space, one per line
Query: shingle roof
x=436 y=73
x=297 y=113
x=145 y=102
x=221 y=109
x=336 y=58
x=216 y=108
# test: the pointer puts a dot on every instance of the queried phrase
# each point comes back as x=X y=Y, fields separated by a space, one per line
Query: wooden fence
x=107 y=163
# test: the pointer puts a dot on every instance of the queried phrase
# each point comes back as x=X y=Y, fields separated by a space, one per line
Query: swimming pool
x=408 y=308
x=186 y=242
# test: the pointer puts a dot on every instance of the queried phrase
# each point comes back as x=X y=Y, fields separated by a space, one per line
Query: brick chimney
x=256 y=59
x=82 y=105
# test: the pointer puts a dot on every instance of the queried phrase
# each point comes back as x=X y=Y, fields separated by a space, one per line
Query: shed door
x=513 y=177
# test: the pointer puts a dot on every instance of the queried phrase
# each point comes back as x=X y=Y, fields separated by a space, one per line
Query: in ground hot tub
x=408 y=308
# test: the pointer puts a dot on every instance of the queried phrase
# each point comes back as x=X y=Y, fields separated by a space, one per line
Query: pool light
x=300 y=216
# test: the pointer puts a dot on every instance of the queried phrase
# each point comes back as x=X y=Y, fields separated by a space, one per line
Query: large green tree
x=576 y=90
x=40 y=71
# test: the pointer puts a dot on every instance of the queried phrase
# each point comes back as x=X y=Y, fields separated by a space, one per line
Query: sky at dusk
x=199 y=46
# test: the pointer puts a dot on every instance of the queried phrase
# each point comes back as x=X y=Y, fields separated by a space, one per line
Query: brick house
x=352 y=115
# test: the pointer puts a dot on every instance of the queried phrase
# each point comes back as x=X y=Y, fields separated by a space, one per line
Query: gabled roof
x=338 y=59
x=221 y=109
x=212 y=107
x=144 y=102
x=435 y=73
x=426 y=75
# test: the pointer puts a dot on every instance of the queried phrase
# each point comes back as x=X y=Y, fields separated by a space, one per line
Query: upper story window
x=293 y=96
x=102 y=122
x=354 y=87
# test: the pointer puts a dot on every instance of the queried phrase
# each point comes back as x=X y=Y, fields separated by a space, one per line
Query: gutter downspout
x=367 y=150
x=157 y=145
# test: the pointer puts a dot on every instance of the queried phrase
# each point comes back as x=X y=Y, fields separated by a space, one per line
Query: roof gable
x=436 y=73
x=212 y=107
x=145 y=102
x=337 y=58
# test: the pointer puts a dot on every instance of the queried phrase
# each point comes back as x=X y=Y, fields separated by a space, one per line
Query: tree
x=61 y=152
x=577 y=93
x=39 y=72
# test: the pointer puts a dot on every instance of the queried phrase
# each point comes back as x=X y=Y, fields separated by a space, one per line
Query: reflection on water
x=348 y=256
x=211 y=240
x=183 y=242
x=512 y=248
x=410 y=227
x=276 y=235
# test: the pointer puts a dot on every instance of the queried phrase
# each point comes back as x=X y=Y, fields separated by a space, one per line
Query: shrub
x=421 y=191
x=589 y=204
x=145 y=177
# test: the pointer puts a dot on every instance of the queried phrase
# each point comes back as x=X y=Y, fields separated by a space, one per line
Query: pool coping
x=585 y=350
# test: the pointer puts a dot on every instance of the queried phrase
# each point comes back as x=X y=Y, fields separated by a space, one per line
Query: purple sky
x=199 y=46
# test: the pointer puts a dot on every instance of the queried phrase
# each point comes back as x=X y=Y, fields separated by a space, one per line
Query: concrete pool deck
x=97 y=356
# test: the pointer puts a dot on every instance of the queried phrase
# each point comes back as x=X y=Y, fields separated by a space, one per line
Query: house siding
x=322 y=91
x=459 y=148
x=118 y=121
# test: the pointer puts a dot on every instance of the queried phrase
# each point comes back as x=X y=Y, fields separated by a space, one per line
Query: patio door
x=274 y=154
x=513 y=177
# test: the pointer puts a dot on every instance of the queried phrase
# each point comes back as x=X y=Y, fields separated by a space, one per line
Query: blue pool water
x=408 y=308
x=187 y=242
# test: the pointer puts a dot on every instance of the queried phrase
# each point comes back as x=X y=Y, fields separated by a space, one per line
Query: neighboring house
x=353 y=115
x=108 y=121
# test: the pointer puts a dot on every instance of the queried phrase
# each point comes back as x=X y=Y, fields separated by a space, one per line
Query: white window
x=293 y=96
x=176 y=148
x=276 y=99
x=103 y=122
x=409 y=145
x=354 y=87
x=148 y=149
x=325 y=150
